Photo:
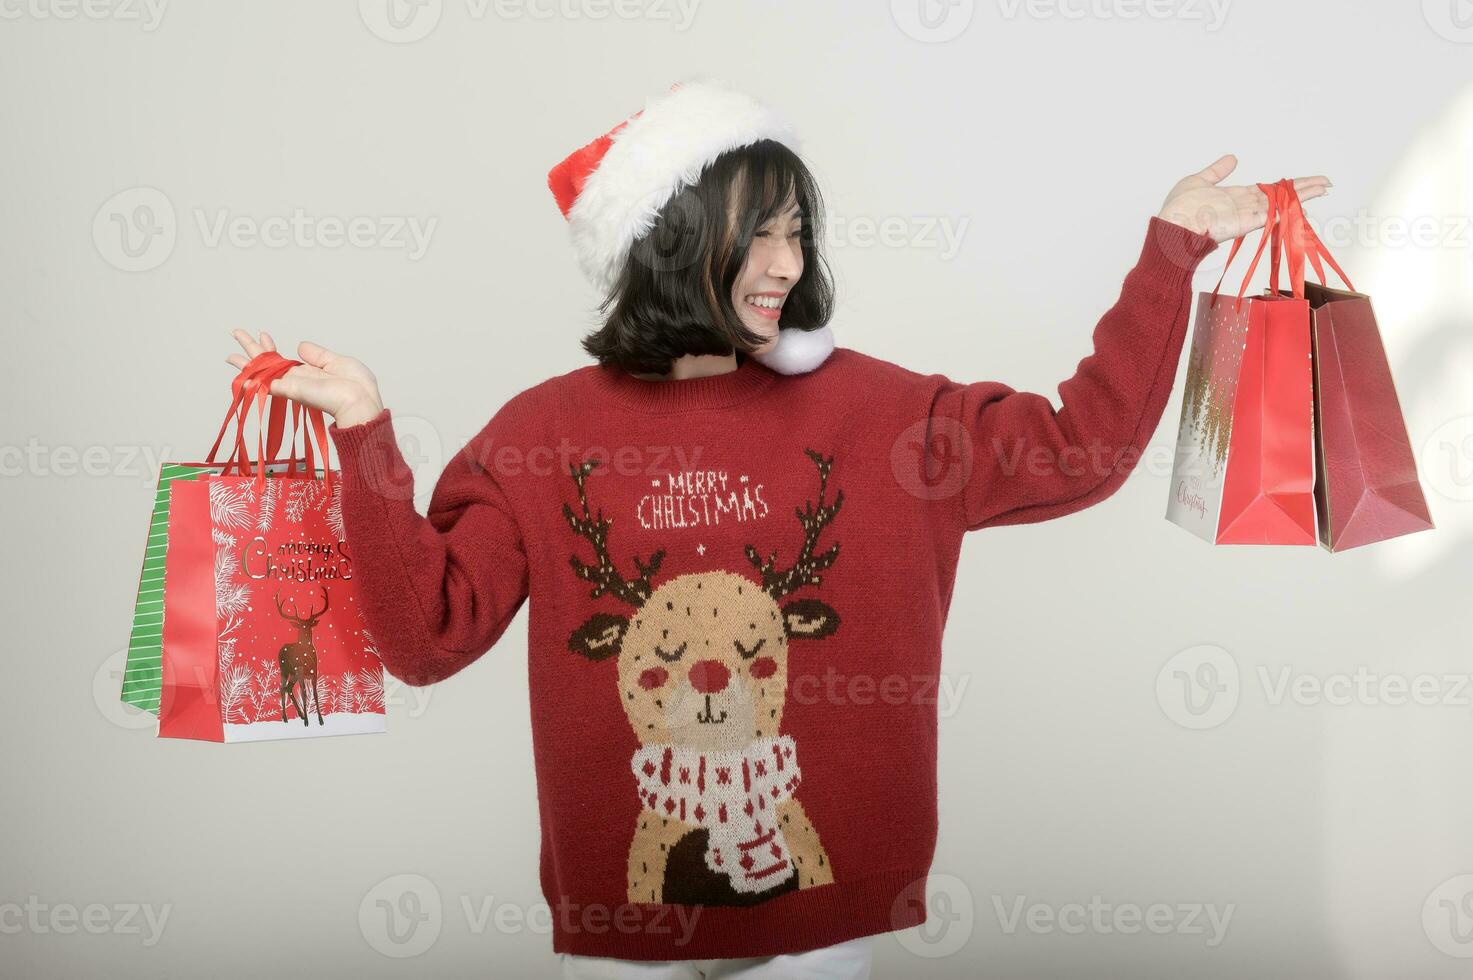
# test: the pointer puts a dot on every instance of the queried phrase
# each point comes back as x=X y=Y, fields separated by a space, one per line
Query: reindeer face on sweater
x=703 y=658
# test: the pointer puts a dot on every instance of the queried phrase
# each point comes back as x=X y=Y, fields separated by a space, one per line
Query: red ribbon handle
x=253 y=384
x=1286 y=231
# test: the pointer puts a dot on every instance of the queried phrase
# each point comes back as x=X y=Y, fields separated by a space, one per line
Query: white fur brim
x=652 y=158
x=799 y=351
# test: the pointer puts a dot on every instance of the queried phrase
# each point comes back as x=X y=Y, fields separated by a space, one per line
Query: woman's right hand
x=335 y=383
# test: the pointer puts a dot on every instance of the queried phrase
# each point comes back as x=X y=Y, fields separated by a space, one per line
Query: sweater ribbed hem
x=790 y=923
x=750 y=378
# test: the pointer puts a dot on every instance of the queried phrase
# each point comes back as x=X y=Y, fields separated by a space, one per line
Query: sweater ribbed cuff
x=1171 y=253
x=370 y=459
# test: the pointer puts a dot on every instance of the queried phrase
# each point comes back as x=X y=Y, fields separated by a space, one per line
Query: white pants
x=845 y=961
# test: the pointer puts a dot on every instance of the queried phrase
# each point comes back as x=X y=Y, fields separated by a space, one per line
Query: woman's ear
x=798 y=351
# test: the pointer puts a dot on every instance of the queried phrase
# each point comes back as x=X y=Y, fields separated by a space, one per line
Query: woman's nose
x=787 y=263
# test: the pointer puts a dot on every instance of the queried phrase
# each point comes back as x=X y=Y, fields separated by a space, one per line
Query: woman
x=734 y=726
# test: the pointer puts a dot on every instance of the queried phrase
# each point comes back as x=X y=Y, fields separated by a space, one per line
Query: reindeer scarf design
x=703 y=677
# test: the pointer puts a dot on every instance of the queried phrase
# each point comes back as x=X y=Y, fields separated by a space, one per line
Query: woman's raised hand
x=335 y=383
x=1225 y=213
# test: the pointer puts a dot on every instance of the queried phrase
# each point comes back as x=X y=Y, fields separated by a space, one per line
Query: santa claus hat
x=611 y=191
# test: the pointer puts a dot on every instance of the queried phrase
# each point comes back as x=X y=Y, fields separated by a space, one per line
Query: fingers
x=1312 y=187
x=236 y=361
x=332 y=362
x=251 y=346
x=288 y=387
x=1300 y=183
x=1219 y=168
x=314 y=354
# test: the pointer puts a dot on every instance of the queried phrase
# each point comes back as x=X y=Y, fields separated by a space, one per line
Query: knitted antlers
x=596 y=530
x=807 y=566
x=602 y=635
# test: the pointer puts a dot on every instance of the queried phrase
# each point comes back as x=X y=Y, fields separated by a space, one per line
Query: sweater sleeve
x=437 y=590
x=1032 y=462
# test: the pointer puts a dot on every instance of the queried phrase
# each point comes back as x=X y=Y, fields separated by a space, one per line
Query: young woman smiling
x=701 y=815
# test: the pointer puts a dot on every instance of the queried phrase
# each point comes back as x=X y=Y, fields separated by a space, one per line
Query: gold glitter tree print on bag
x=703 y=677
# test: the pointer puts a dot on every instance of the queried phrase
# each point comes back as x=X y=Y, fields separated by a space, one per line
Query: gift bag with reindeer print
x=262 y=636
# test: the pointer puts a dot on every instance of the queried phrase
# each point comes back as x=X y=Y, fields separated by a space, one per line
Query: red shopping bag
x=1366 y=486
x=262 y=635
x=1244 y=469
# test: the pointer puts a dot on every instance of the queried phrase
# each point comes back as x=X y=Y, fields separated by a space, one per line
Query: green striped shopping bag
x=143 y=675
x=143 y=678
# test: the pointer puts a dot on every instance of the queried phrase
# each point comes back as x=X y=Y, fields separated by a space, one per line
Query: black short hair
x=673 y=295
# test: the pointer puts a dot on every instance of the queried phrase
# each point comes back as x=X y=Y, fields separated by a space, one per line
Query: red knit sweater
x=737 y=583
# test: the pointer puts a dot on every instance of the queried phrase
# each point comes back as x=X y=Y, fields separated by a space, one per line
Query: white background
x=1047 y=135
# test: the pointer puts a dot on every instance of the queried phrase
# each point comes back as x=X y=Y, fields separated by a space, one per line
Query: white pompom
x=799 y=351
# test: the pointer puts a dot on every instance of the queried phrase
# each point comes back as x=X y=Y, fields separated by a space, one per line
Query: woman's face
x=773 y=267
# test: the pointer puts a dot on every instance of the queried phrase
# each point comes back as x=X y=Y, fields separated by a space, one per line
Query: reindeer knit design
x=734 y=795
x=721 y=570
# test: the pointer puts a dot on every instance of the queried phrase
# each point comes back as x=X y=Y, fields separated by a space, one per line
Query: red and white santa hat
x=611 y=191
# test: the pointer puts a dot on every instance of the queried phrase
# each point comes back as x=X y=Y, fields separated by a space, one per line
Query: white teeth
x=767 y=302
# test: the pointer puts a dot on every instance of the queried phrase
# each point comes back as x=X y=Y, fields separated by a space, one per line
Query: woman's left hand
x=1225 y=213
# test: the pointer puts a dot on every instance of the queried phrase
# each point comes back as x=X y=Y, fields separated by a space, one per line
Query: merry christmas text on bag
x=1291 y=431
x=1244 y=470
x=262 y=637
